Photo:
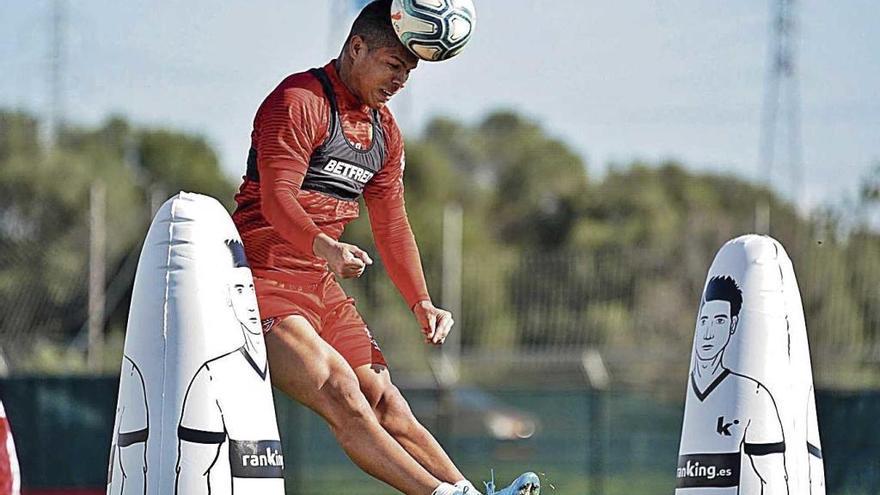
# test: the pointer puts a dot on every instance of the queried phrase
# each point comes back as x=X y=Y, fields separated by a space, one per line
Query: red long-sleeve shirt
x=278 y=221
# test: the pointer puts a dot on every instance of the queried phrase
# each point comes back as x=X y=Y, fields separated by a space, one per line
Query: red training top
x=278 y=221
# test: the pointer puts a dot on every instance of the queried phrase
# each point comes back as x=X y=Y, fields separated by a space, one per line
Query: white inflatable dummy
x=10 y=481
x=750 y=418
x=195 y=412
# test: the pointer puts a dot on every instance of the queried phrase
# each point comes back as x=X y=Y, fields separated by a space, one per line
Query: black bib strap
x=321 y=75
x=337 y=167
x=252 y=172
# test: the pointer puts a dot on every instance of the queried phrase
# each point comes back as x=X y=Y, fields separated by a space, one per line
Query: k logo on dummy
x=749 y=425
x=195 y=412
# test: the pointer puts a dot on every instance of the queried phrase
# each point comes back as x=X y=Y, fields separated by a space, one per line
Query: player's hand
x=436 y=323
x=344 y=260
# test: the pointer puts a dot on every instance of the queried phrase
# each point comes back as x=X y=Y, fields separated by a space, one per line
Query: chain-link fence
x=541 y=315
x=580 y=441
x=65 y=284
x=540 y=312
x=549 y=363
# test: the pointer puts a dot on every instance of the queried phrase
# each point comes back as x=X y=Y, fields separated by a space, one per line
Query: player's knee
x=347 y=399
x=393 y=411
x=289 y=386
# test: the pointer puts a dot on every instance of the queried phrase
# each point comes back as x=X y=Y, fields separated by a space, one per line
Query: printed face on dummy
x=379 y=73
x=244 y=300
x=714 y=328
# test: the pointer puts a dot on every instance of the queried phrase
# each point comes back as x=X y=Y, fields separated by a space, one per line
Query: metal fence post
x=598 y=380
x=97 y=274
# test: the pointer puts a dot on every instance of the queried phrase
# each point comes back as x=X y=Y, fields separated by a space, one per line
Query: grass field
x=336 y=480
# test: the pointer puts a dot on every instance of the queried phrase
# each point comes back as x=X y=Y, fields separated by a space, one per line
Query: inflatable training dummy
x=195 y=412
x=750 y=419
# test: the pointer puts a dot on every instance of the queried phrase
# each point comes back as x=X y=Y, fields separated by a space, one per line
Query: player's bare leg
x=394 y=414
x=308 y=369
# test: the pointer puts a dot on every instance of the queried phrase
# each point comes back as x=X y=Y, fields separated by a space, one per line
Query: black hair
x=239 y=260
x=373 y=24
x=724 y=288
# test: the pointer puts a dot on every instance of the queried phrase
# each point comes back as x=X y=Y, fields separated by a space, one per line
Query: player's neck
x=705 y=372
x=255 y=349
x=343 y=70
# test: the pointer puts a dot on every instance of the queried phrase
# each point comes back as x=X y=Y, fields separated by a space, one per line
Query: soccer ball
x=433 y=30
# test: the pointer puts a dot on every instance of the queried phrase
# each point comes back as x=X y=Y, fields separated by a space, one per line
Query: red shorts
x=327 y=308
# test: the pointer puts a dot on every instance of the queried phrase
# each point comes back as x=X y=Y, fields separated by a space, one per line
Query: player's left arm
x=771 y=469
x=764 y=443
x=396 y=243
x=200 y=434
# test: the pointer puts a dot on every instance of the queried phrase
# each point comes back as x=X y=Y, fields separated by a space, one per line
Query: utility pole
x=57 y=25
x=452 y=277
x=781 y=105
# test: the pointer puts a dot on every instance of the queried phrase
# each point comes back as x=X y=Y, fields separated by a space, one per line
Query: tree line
x=554 y=256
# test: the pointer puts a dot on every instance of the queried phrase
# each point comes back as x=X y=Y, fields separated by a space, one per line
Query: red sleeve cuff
x=306 y=242
x=412 y=307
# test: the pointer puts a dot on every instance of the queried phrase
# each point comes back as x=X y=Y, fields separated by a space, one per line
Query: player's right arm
x=292 y=123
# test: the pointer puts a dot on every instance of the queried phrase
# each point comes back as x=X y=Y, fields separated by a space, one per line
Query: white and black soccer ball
x=433 y=30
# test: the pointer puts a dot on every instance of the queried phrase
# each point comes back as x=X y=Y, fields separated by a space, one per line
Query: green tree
x=44 y=214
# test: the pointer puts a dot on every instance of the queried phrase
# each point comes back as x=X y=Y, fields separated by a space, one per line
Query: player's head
x=719 y=314
x=373 y=25
x=242 y=297
x=374 y=63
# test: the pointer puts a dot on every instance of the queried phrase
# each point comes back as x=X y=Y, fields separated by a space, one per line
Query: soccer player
x=320 y=140
x=729 y=418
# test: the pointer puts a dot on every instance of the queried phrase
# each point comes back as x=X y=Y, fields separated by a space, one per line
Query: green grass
x=321 y=481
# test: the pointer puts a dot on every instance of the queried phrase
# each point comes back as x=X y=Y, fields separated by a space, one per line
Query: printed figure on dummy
x=750 y=423
x=232 y=406
x=727 y=414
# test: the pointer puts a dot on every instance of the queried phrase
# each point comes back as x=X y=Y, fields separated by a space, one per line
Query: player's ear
x=356 y=47
x=733 y=321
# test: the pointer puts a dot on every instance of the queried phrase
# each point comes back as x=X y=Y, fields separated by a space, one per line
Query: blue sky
x=618 y=81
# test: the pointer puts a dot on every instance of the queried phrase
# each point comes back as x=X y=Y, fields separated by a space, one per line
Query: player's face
x=377 y=74
x=244 y=300
x=714 y=327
